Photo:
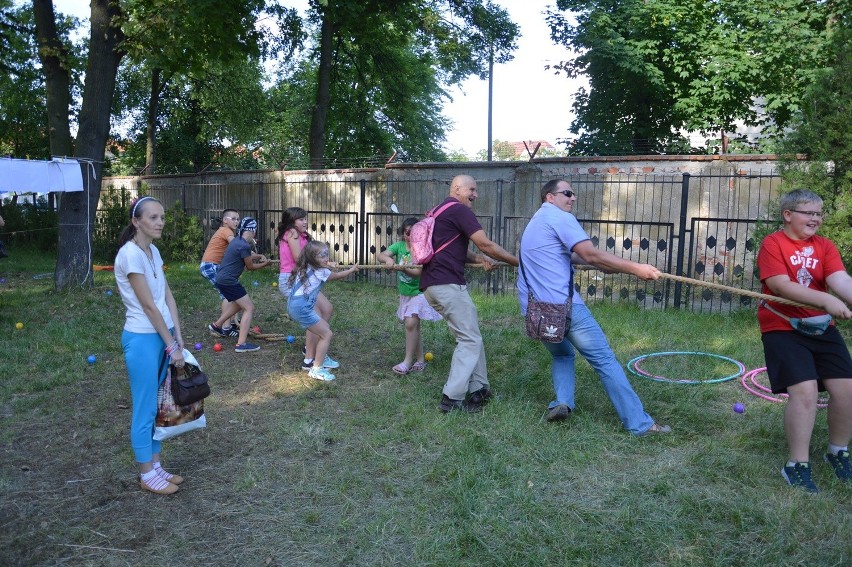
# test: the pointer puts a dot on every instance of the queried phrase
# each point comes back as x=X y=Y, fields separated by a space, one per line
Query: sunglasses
x=568 y=193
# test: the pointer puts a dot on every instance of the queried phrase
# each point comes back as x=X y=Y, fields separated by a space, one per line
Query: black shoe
x=478 y=399
x=558 y=413
x=448 y=404
x=216 y=331
x=233 y=331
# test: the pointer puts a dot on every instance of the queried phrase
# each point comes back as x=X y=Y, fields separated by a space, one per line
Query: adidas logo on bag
x=550 y=331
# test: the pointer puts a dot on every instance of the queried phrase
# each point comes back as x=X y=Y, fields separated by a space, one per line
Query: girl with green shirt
x=412 y=305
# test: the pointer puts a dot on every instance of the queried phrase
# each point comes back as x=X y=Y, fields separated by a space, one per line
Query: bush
x=111 y=218
x=31 y=224
x=183 y=237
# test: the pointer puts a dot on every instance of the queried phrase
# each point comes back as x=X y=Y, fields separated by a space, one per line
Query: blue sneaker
x=799 y=476
x=330 y=363
x=321 y=374
x=246 y=347
x=841 y=465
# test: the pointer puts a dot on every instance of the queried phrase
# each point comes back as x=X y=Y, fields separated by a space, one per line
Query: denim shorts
x=302 y=311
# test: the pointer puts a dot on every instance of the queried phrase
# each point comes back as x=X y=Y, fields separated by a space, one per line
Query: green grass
x=366 y=471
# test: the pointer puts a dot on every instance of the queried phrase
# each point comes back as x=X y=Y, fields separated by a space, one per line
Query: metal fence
x=698 y=226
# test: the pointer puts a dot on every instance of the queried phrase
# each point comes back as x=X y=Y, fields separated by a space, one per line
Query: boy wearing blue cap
x=238 y=257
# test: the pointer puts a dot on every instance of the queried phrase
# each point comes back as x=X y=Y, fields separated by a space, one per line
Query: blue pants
x=587 y=337
x=143 y=355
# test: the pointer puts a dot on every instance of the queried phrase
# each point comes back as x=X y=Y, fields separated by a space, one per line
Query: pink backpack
x=420 y=240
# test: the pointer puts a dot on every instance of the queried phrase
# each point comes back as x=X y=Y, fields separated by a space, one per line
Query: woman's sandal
x=418 y=367
x=158 y=485
x=402 y=368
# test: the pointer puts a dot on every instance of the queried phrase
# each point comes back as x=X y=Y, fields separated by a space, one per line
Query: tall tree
x=821 y=130
x=658 y=67
x=448 y=39
x=77 y=210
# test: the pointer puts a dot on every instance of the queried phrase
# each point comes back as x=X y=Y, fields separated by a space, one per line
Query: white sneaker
x=321 y=374
x=329 y=362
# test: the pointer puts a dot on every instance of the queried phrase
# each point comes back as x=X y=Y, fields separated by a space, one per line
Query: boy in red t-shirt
x=804 y=351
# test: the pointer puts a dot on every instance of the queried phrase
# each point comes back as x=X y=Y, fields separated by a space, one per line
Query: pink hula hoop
x=762 y=391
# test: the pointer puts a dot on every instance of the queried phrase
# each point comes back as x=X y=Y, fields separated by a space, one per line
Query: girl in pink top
x=292 y=237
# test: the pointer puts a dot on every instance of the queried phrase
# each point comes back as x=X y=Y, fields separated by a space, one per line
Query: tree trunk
x=54 y=63
x=151 y=123
x=320 y=111
x=77 y=210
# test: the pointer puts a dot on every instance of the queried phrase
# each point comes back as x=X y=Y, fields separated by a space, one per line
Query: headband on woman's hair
x=136 y=204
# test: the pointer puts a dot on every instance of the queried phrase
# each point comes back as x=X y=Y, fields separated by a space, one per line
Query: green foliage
x=658 y=67
x=501 y=150
x=183 y=237
x=111 y=219
x=821 y=131
x=30 y=224
x=23 y=108
x=388 y=64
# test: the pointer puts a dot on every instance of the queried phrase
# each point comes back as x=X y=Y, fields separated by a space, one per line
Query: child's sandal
x=402 y=368
x=418 y=367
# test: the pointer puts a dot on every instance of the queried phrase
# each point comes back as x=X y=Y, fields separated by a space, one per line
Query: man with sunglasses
x=444 y=287
x=212 y=258
x=552 y=241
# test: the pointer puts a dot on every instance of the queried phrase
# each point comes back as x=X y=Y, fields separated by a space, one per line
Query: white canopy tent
x=37 y=176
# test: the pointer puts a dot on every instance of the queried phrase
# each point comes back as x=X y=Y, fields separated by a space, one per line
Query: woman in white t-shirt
x=151 y=332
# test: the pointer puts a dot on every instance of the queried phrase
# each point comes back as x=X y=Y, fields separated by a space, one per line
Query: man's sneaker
x=321 y=374
x=799 y=475
x=304 y=350
x=558 y=413
x=233 y=331
x=477 y=400
x=448 y=404
x=307 y=365
x=216 y=330
x=246 y=347
x=841 y=465
x=330 y=363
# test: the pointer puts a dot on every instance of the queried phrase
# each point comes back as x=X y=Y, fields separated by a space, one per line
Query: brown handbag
x=547 y=322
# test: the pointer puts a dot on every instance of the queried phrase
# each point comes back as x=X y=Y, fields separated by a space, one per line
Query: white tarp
x=36 y=176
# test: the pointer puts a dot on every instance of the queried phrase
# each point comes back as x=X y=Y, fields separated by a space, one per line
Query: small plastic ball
x=256 y=329
x=290 y=338
x=199 y=346
x=428 y=356
x=274 y=284
x=108 y=292
x=92 y=359
x=739 y=408
x=19 y=325
x=2 y=280
x=255 y=283
x=217 y=347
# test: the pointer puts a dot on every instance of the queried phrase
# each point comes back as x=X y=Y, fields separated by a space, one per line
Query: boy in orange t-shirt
x=213 y=257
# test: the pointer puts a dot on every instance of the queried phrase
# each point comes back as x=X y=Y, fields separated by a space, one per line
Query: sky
x=529 y=103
